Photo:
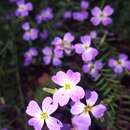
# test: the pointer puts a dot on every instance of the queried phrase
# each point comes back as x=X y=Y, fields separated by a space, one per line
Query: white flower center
x=22 y=7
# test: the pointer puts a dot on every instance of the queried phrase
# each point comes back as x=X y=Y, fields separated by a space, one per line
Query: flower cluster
x=61 y=97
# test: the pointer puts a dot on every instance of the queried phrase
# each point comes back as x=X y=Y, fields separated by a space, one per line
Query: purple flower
x=70 y=89
x=93 y=34
x=81 y=111
x=42 y=116
x=88 y=53
x=44 y=34
x=23 y=8
x=100 y=16
x=50 y=55
x=67 y=15
x=45 y=15
x=80 y=15
x=65 y=44
x=119 y=65
x=30 y=33
x=92 y=68
x=28 y=56
x=84 y=5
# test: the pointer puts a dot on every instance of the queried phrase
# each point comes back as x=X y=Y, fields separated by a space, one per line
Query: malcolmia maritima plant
x=69 y=93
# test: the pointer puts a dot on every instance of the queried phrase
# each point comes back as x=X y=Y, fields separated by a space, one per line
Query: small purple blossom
x=52 y=55
x=70 y=89
x=65 y=43
x=80 y=15
x=28 y=56
x=93 y=34
x=88 y=53
x=92 y=68
x=30 y=33
x=100 y=16
x=23 y=8
x=44 y=34
x=84 y=5
x=81 y=111
x=45 y=15
x=67 y=15
x=42 y=116
x=119 y=65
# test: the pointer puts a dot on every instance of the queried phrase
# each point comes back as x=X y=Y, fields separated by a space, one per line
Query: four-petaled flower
x=119 y=65
x=92 y=68
x=45 y=15
x=30 y=33
x=40 y=116
x=88 y=53
x=52 y=55
x=23 y=8
x=100 y=16
x=81 y=111
x=70 y=89
x=28 y=56
x=65 y=43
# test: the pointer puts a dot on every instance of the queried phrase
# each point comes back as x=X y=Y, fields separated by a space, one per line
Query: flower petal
x=53 y=123
x=96 y=21
x=47 y=51
x=91 y=97
x=108 y=10
x=77 y=108
x=78 y=48
x=82 y=120
x=47 y=60
x=106 y=21
x=86 y=40
x=96 y=11
x=68 y=37
x=74 y=77
x=98 y=110
x=33 y=109
x=56 y=41
x=37 y=124
x=59 y=78
x=77 y=93
x=61 y=96
x=49 y=106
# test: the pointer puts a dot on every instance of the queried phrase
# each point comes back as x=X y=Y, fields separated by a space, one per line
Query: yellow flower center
x=43 y=116
x=67 y=86
x=87 y=109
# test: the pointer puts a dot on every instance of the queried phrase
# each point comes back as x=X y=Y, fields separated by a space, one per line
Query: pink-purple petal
x=95 y=20
x=77 y=108
x=96 y=11
x=33 y=109
x=98 y=110
x=61 y=96
x=68 y=37
x=36 y=123
x=49 y=106
x=53 y=123
x=106 y=21
x=59 y=78
x=78 y=48
x=77 y=93
x=91 y=97
x=108 y=10
x=74 y=77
